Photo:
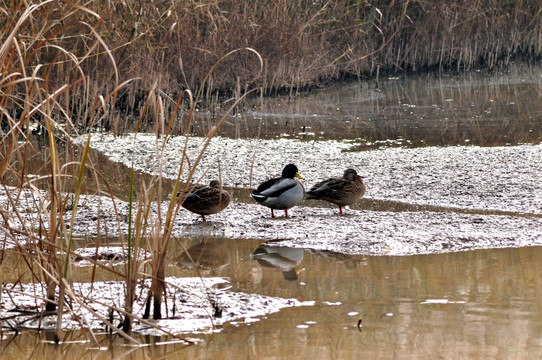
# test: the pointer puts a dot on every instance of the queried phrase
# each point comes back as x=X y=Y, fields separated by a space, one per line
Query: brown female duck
x=206 y=200
x=340 y=191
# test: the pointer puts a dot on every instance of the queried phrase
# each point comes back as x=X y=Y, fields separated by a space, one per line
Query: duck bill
x=299 y=176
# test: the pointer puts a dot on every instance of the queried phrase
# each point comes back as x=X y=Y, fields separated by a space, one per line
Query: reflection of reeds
x=472 y=108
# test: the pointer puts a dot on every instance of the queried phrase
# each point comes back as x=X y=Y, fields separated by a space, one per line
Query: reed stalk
x=302 y=45
x=33 y=93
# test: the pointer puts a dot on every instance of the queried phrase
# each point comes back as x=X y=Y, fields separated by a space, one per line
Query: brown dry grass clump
x=173 y=44
x=60 y=74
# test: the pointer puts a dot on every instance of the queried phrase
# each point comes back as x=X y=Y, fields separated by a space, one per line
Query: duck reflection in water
x=283 y=258
x=205 y=255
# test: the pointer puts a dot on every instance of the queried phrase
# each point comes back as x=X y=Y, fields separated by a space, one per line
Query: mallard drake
x=206 y=200
x=340 y=191
x=281 y=193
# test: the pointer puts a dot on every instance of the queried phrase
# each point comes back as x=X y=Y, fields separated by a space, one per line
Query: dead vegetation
x=114 y=65
x=170 y=46
x=56 y=81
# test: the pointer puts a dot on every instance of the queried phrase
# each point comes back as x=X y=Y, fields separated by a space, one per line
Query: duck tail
x=259 y=197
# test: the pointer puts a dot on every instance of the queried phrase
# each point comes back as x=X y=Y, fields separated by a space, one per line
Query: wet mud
x=192 y=305
x=418 y=201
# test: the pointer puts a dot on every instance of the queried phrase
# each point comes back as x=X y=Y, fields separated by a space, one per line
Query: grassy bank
x=172 y=45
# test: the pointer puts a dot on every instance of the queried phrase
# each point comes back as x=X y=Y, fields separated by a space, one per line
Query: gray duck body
x=281 y=193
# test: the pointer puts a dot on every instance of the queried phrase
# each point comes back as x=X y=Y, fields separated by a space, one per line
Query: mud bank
x=499 y=178
x=193 y=305
x=357 y=232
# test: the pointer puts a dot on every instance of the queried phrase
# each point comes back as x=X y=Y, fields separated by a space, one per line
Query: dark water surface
x=473 y=108
x=472 y=304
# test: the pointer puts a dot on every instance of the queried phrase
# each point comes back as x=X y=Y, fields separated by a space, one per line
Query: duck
x=281 y=193
x=206 y=200
x=205 y=255
x=339 y=191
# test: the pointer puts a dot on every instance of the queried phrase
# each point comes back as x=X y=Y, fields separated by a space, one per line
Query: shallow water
x=476 y=304
x=473 y=108
x=479 y=304
x=468 y=304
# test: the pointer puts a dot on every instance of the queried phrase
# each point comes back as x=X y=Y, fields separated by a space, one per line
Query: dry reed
x=171 y=45
x=42 y=88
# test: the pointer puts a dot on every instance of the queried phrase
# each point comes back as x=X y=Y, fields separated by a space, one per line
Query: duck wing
x=192 y=189
x=206 y=200
x=191 y=200
x=273 y=188
x=327 y=188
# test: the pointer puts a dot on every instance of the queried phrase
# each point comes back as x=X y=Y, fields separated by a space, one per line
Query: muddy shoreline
x=408 y=208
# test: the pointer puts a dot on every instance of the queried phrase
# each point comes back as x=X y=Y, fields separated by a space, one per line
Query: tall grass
x=31 y=94
x=301 y=43
x=162 y=237
x=34 y=96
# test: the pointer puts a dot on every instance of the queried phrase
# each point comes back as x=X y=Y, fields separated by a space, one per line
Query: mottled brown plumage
x=340 y=191
x=206 y=200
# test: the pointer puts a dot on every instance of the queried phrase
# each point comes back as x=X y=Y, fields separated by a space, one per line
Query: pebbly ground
x=498 y=185
x=500 y=178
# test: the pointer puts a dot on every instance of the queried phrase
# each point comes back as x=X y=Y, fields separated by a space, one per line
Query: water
x=473 y=108
x=480 y=304
x=467 y=304
x=477 y=304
